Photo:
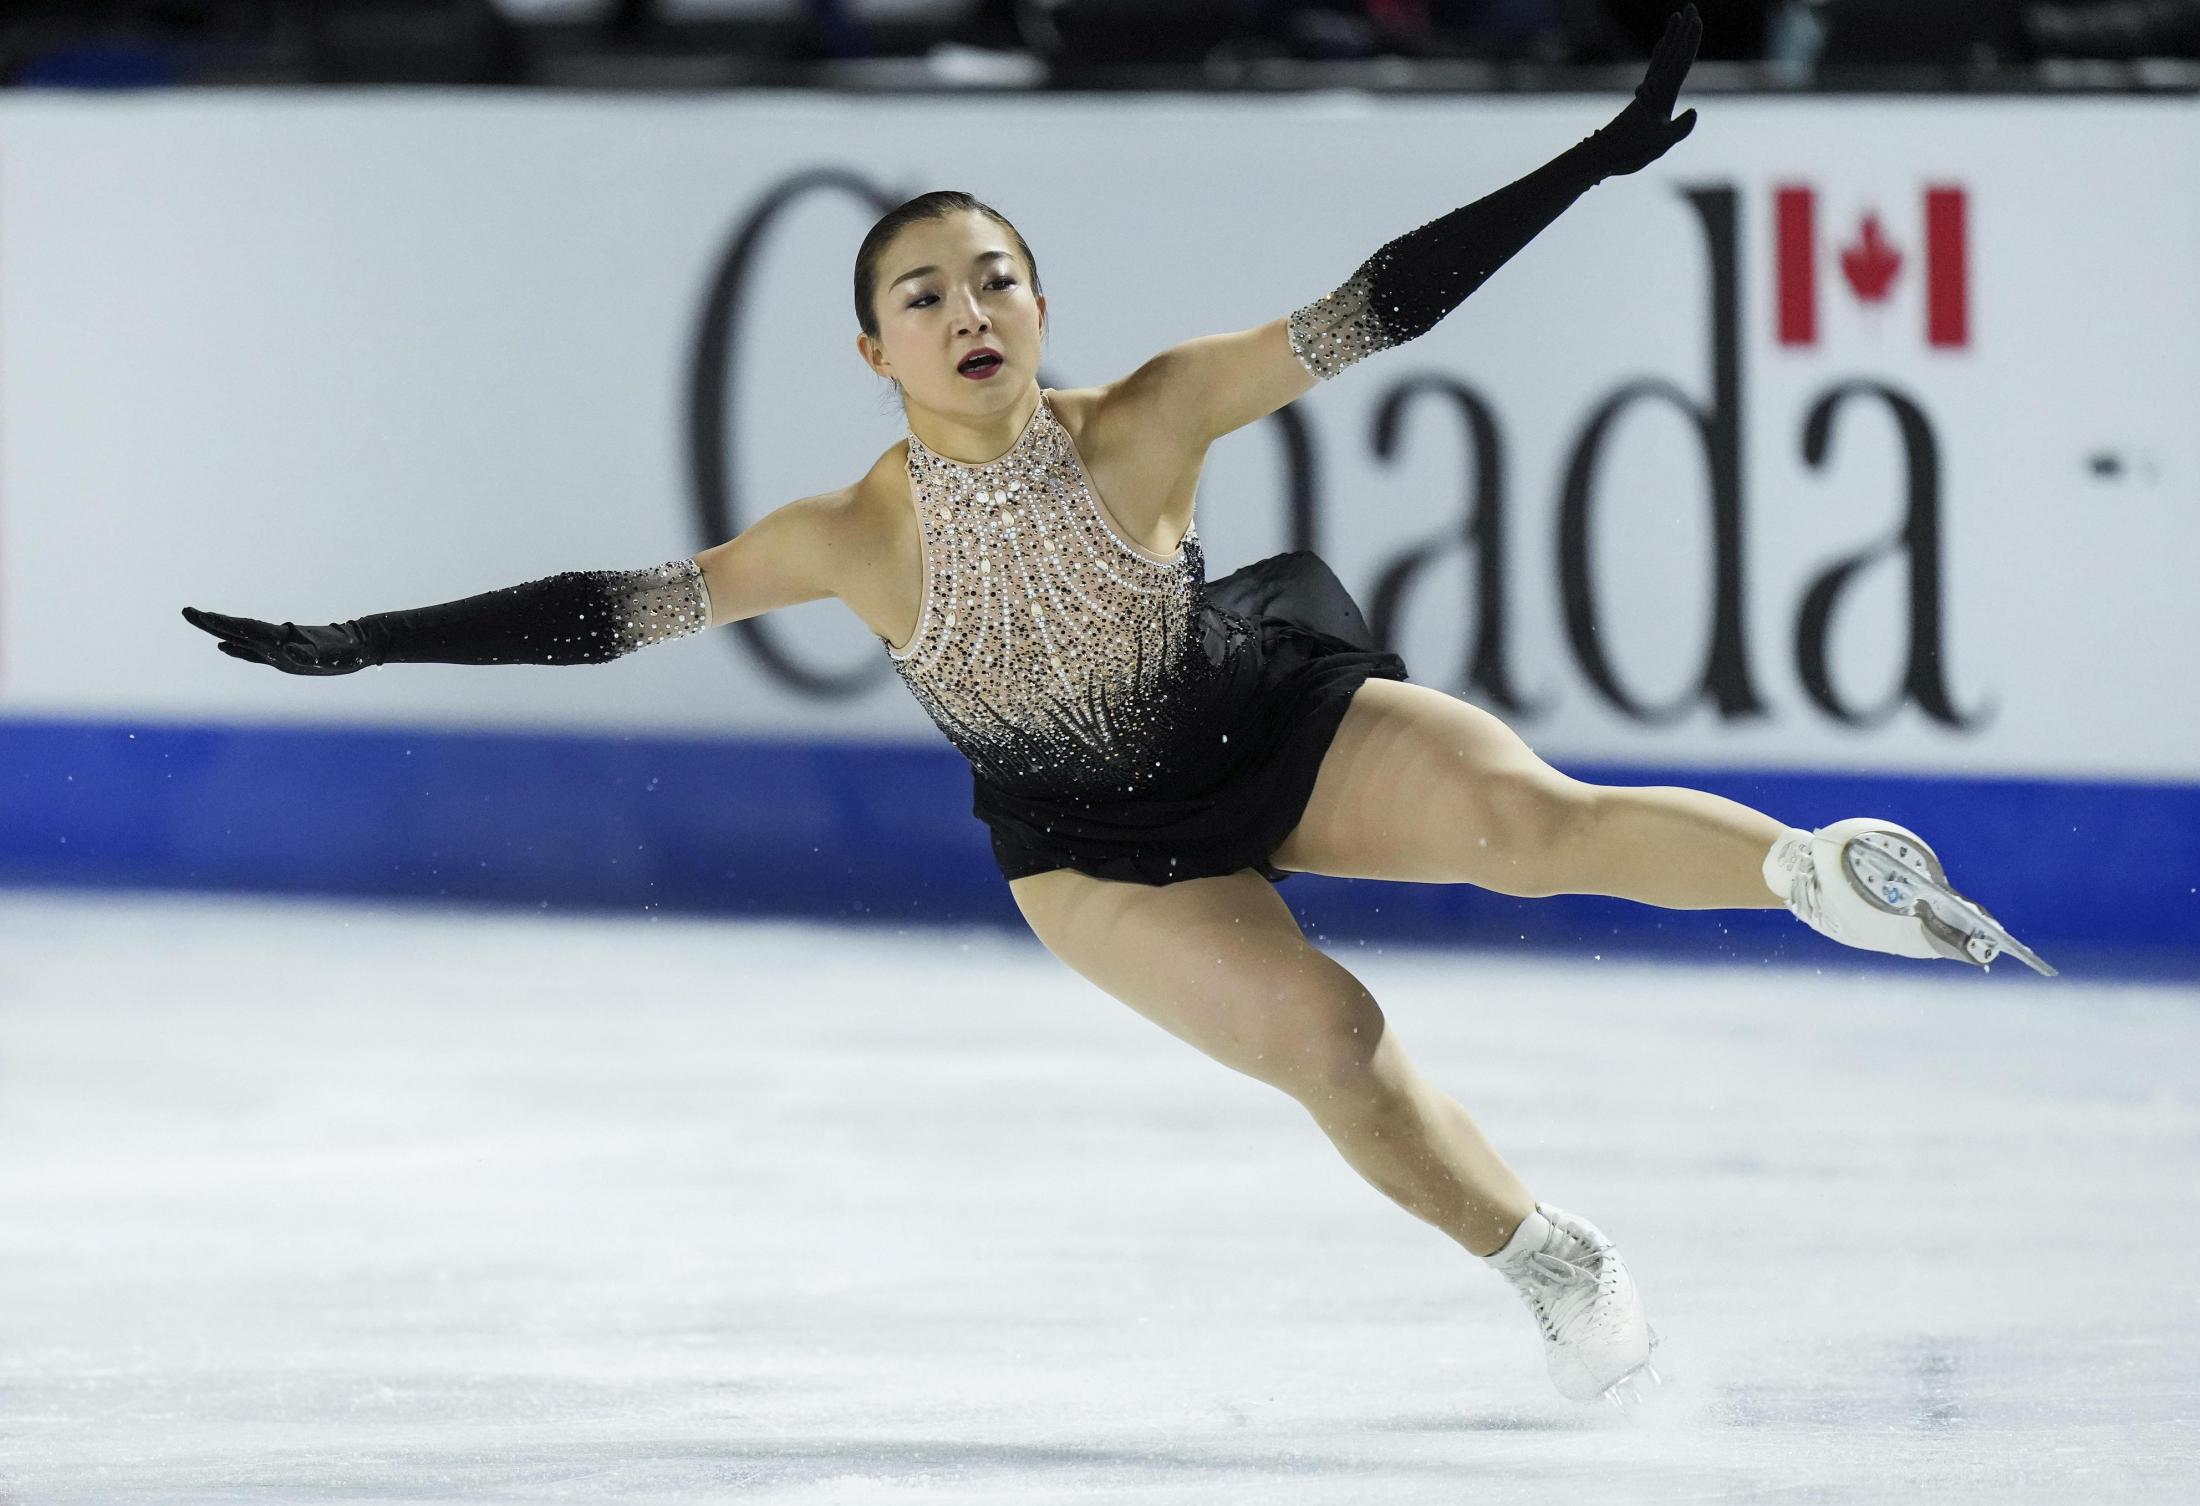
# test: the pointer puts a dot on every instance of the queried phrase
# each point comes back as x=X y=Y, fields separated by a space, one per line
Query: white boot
x=1872 y=884
x=1594 y=1333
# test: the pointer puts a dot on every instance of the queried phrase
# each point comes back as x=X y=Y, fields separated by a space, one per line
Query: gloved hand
x=1412 y=281
x=573 y=617
x=336 y=649
x=1643 y=132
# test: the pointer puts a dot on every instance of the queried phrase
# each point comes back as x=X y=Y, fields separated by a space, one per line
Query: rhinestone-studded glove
x=1400 y=292
x=579 y=617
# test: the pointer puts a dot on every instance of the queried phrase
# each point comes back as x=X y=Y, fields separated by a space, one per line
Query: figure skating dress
x=1122 y=715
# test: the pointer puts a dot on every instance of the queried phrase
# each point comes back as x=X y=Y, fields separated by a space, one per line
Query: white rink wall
x=1844 y=456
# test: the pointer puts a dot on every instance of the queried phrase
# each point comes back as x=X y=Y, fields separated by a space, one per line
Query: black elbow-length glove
x=1403 y=289
x=579 y=617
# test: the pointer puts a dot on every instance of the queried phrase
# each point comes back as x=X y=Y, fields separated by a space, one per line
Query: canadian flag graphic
x=1871 y=263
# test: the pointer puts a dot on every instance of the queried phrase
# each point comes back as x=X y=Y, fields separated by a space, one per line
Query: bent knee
x=1325 y=1040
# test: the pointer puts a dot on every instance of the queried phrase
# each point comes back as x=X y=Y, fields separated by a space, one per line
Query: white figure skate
x=1872 y=884
x=1595 y=1339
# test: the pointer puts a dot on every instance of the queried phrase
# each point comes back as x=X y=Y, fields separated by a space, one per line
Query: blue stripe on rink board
x=2100 y=877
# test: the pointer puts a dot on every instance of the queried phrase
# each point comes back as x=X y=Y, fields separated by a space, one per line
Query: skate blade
x=1626 y=1394
x=1904 y=878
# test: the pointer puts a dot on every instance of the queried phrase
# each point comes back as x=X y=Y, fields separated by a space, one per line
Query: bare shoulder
x=1094 y=414
x=877 y=502
x=1128 y=438
x=1076 y=407
x=880 y=554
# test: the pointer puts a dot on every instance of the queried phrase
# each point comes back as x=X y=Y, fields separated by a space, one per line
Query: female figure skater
x=1152 y=752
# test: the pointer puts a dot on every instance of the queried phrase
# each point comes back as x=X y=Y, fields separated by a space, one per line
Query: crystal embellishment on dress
x=1047 y=646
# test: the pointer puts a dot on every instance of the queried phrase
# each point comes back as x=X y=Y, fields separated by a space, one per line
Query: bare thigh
x=1218 y=962
x=1421 y=786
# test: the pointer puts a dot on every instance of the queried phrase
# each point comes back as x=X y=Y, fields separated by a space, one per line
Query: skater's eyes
x=1008 y=280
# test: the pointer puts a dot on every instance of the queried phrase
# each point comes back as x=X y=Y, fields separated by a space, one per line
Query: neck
x=974 y=441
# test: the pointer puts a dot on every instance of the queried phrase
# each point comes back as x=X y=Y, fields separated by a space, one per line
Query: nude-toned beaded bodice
x=1049 y=648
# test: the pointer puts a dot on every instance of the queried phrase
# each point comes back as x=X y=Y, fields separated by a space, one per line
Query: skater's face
x=972 y=290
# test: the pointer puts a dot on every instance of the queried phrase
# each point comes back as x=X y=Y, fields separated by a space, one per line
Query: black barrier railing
x=1417 y=76
x=2003 y=47
x=1006 y=73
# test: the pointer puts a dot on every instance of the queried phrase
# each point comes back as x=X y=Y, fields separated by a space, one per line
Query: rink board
x=2101 y=878
x=1843 y=460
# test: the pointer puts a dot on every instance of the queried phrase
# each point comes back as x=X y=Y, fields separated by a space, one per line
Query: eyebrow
x=920 y=271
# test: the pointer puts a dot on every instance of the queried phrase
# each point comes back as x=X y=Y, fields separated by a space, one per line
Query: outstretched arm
x=578 y=617
x=1403 y=289
x=1204 y=388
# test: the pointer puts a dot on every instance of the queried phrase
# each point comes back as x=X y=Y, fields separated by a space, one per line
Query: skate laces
x=1562 y=1292
x=1804 y=897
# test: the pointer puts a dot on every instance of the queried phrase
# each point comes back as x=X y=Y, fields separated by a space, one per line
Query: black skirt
x=1286 y=646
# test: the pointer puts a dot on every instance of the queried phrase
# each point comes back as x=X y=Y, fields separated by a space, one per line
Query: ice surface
x=311 y=1204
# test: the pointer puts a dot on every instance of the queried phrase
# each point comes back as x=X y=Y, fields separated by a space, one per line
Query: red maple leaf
x=1871 y=263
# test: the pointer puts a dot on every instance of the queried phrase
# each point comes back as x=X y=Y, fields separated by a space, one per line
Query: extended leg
x=1421 y=786
x=1221 y=963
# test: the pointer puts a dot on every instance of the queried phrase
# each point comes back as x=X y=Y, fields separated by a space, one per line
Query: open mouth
x=980 y=365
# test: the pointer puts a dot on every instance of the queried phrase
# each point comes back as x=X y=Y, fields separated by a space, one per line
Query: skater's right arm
x=577 y=617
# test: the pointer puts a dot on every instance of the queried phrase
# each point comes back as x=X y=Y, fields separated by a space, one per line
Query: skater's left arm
x=1207 y=387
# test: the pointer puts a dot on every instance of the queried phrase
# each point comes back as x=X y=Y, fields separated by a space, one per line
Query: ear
x=864 y=349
